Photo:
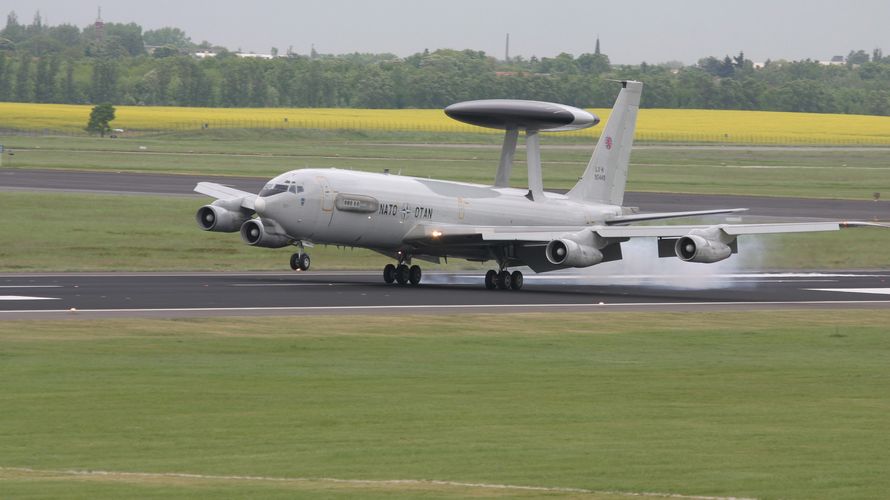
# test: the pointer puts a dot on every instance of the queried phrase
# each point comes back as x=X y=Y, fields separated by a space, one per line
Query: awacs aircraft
x=409 y=218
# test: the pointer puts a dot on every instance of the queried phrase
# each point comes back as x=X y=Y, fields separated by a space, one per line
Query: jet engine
x=695 y=248
x=254 y=233
x=217 y=218
x=570 y=253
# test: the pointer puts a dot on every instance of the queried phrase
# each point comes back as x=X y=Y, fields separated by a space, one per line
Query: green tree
x=13 y=30
x=857 y=58
x=5 y=77
x=100 y=116
x=24 y=86
x=168 y=37
x=129 y=36
x=69 y=89
x=42 y=83
x=103 y=87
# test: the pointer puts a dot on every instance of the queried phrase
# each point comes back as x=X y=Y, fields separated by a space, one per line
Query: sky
x=630 y=31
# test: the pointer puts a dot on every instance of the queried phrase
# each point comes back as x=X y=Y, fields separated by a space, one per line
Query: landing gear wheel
x=389 y=273
x=516 y=280
x=504 y=280
x=403 y=274
x=300 y=262
x=414 y=275
x=491 y=279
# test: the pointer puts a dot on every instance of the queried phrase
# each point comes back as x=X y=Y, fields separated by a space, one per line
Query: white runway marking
x=25 y=297
x=876 y=291
x=445 y=307
x=744 y=276
x=359 y=482
x=30 y=286
x=293 y=284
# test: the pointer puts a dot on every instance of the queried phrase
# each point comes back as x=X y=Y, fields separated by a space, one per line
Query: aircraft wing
x=226 y=193
x=450 y=234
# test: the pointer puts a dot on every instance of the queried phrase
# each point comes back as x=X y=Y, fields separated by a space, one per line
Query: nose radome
x=259 y=205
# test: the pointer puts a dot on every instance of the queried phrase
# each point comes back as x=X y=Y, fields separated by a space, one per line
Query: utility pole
x=507 y=51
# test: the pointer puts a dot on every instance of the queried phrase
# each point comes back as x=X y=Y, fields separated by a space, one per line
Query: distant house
x=255 y=56
x=205 y=54
x=835 y=61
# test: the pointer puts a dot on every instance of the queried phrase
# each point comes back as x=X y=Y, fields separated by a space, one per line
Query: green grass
x=763 y=404
x=83 y=232
x=823 y=173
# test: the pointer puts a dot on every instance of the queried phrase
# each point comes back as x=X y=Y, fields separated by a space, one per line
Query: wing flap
x=624 y=219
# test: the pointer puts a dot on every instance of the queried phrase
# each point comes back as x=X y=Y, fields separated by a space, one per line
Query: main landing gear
x=300 y=261
x=402 y=274
x=503 y=280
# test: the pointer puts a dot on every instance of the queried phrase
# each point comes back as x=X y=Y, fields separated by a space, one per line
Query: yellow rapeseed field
x=663 y=125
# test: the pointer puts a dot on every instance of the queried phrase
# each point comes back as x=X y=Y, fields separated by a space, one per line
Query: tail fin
x=606 y=174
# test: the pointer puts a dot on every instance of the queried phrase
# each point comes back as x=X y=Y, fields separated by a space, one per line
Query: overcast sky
x=630 y=31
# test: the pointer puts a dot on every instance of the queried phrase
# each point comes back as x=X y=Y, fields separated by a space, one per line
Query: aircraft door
x=327 y=199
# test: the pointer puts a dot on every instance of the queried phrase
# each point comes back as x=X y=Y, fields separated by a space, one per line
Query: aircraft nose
x=259 y=204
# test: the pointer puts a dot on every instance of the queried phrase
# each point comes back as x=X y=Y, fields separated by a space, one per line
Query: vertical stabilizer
x=606 y=174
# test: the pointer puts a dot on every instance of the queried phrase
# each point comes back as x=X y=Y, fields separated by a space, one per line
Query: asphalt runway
x=167 y=295
x=183 y=185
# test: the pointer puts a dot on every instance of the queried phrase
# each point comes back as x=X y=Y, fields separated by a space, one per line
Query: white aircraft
x=411 y=218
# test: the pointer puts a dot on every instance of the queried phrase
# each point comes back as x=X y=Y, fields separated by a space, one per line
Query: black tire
x=414 y=275
x=403 y=274
x=305 y=262
x=295 y=261
x=491 y=279
x=389 y=274
x=504 y=280
x=516 y=280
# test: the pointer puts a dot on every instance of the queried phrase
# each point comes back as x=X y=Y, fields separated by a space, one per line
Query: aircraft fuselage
x=374 y=210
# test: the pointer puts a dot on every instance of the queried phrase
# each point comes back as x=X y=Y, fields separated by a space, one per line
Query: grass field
x=819 y=173
x=81 y=232
x=660 y=125
x=757 y=404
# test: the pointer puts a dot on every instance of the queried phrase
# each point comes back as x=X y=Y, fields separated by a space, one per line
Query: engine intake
x=255 y=234
x=695 y=248
x=217 y=218
x=570 y=253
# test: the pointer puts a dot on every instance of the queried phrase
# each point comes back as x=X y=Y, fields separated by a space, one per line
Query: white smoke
x=641 y=266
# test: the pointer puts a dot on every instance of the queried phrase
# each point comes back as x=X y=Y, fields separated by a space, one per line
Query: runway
x=170 y=295
x=182 y=185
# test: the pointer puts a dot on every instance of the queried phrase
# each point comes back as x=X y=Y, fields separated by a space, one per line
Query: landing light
x=437 y=233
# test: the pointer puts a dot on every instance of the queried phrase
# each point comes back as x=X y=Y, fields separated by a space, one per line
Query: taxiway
x=183 y=185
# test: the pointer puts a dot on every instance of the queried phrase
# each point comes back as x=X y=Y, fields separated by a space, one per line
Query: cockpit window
x=272 y=188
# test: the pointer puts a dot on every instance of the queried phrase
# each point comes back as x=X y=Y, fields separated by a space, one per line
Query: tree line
x=122 y=64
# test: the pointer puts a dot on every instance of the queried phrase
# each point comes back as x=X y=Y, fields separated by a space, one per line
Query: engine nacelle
x=695 y=248
x=217 y=218
x=255 y=234
x=570 y=253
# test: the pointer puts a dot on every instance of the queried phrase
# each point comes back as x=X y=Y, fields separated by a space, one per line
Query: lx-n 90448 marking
x=410 y=218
